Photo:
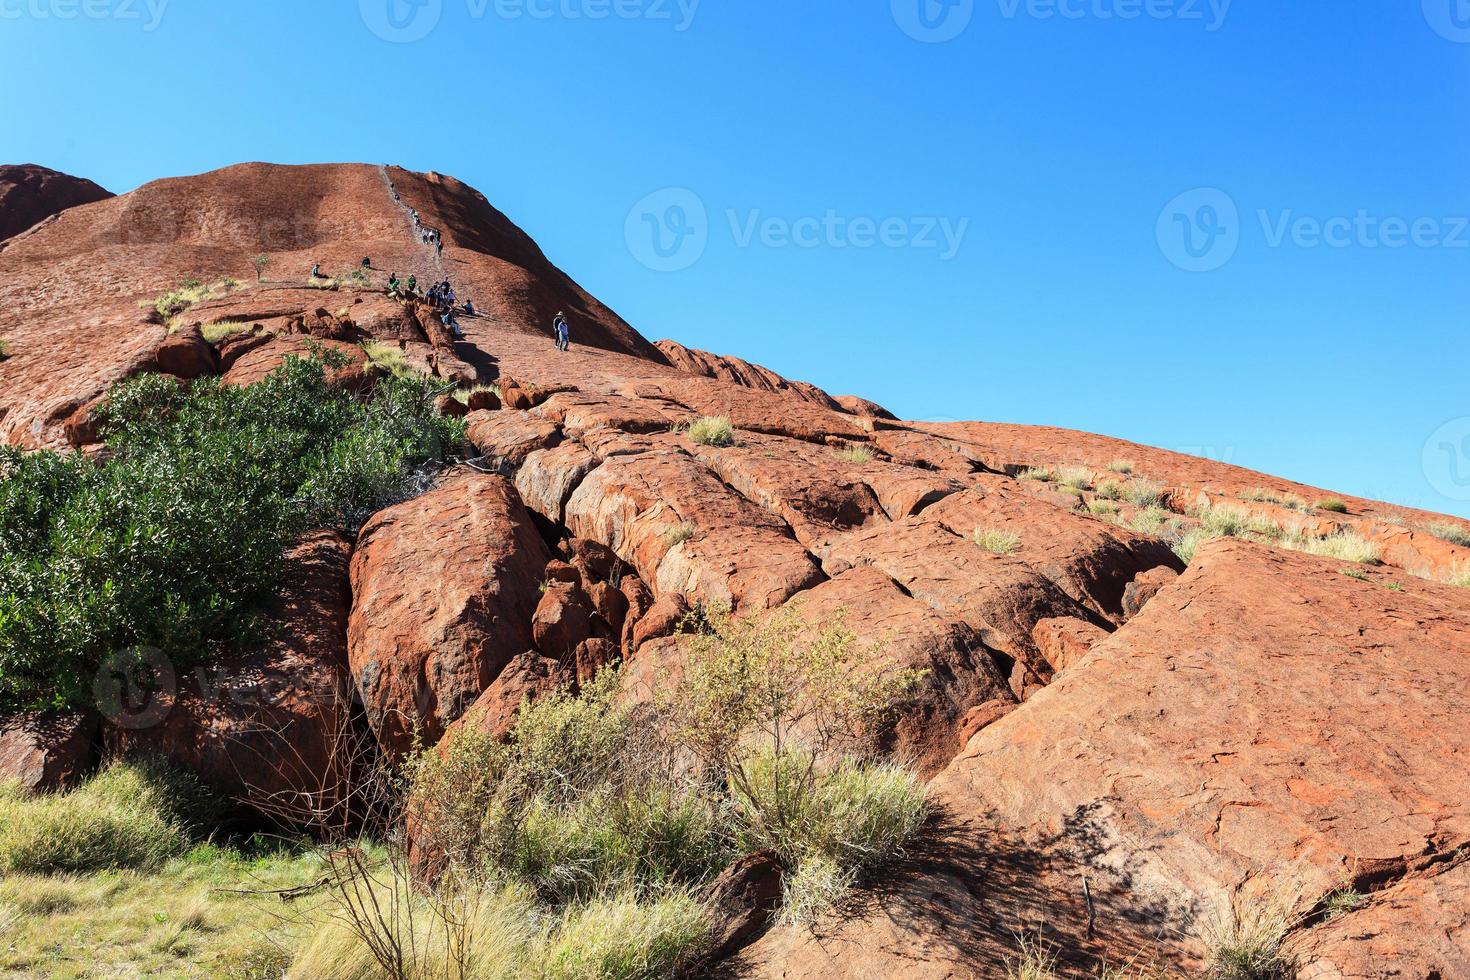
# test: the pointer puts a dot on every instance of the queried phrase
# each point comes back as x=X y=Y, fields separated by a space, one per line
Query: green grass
x=388 y=357
x=1155 y=520
x=190 y=291
x=220 y=329
x=1260 y=495
x=1144 y=493
x=1075 y=477
x=855 y=453
x=1345 y=546
x=680 y=533
x=1247 y=941
x=4 y=350
x=1356 y=573
x=1038 y=473
x=1121 y=466
x=1341 y=902
x=1111 y=490
x=1332 y=506
x=712 y=431
x=996 y=541
x=1102 y=508
x=1453 y=533
x=1460 y=576
x=130 y=816
x=185 y=918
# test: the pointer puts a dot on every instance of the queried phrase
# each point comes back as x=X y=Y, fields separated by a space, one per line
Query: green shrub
x=177 y=541
x=1144 y=493
x=1102 y=508
x=679 y=533
x=1332 y=505
x=1038 y=473
x=1453 y=533
x=1111 y=490
x=624 y=937
x=220 y=329
x=1121 y=466
x=1342 y=901
x=1345 y=546
x=996 y=541
x=1246 y=941
x=129 y=816
x=712 y=431
x=856 y=453
x=1460 y=576
x=1075 y=477
x=4 y=350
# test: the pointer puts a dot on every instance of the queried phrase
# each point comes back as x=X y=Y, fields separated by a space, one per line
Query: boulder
x=444 y=587
x=1065 y=641
x=560 y=571
x=640 y=600
x=1144 y=587
x=511 y=436
x=526 y=678
x=186 y=354
x=592 y=656
x=483 y=400
x=269 y=728
x=611 y=607
x=741 y=902
x=563 y=619
x=662 y=619
x=47 y=751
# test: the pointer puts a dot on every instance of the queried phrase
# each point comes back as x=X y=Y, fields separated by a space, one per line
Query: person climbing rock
x=316 y=271
x=413 y=285
x=393 y=284
x=469 y=307
x=563 y=332
x=367 y=263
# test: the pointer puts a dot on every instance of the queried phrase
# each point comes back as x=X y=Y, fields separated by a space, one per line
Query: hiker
x=453 y=325
x=438 y=245
x=367 y=263
x=316 y=271
x=433 y=296
x=469 y=307
x=563 y=339
x=392 y=284
x=413 y=285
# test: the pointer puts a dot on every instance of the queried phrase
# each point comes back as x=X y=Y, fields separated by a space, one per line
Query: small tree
x=261 y=262
x=782 y=708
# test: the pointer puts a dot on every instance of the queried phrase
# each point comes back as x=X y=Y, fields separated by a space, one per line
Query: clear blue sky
x=1054 y=133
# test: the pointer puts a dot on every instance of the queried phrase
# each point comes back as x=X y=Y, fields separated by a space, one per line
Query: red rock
x=981 y=717
x=611 y=607
x=742 y=373
x=253 y=365
x=268 y=728
x=563 y=619
x=592 y=656
x=526 y=678
x=560 y=571
x=640 y=600
x=186 y=354
x=742 y=901
x=1144 y=587
x=854 y=405
x=444 y=587
x=483 y=400
x=235 y=346
x=30 y=194
x=1064 y=642
x=510 y=435
x=83 y=427
x=679 y=526
x=662 y=619
x=46 y=752
x=547 y=477
x=450 y=407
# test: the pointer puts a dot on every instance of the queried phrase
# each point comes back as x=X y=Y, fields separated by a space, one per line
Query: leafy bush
x=177 y=541
x=995 y=541
x=712 y=431
x=1332 y=505
x=129 y=816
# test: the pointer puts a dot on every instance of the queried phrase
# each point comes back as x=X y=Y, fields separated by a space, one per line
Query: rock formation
x=1118 y=744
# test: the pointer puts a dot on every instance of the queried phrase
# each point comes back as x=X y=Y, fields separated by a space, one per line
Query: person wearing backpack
x=563 y=332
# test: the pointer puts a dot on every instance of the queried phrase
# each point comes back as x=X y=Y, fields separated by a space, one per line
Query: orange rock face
x=444 y=588
x=30 y=194
x=1106 y=738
